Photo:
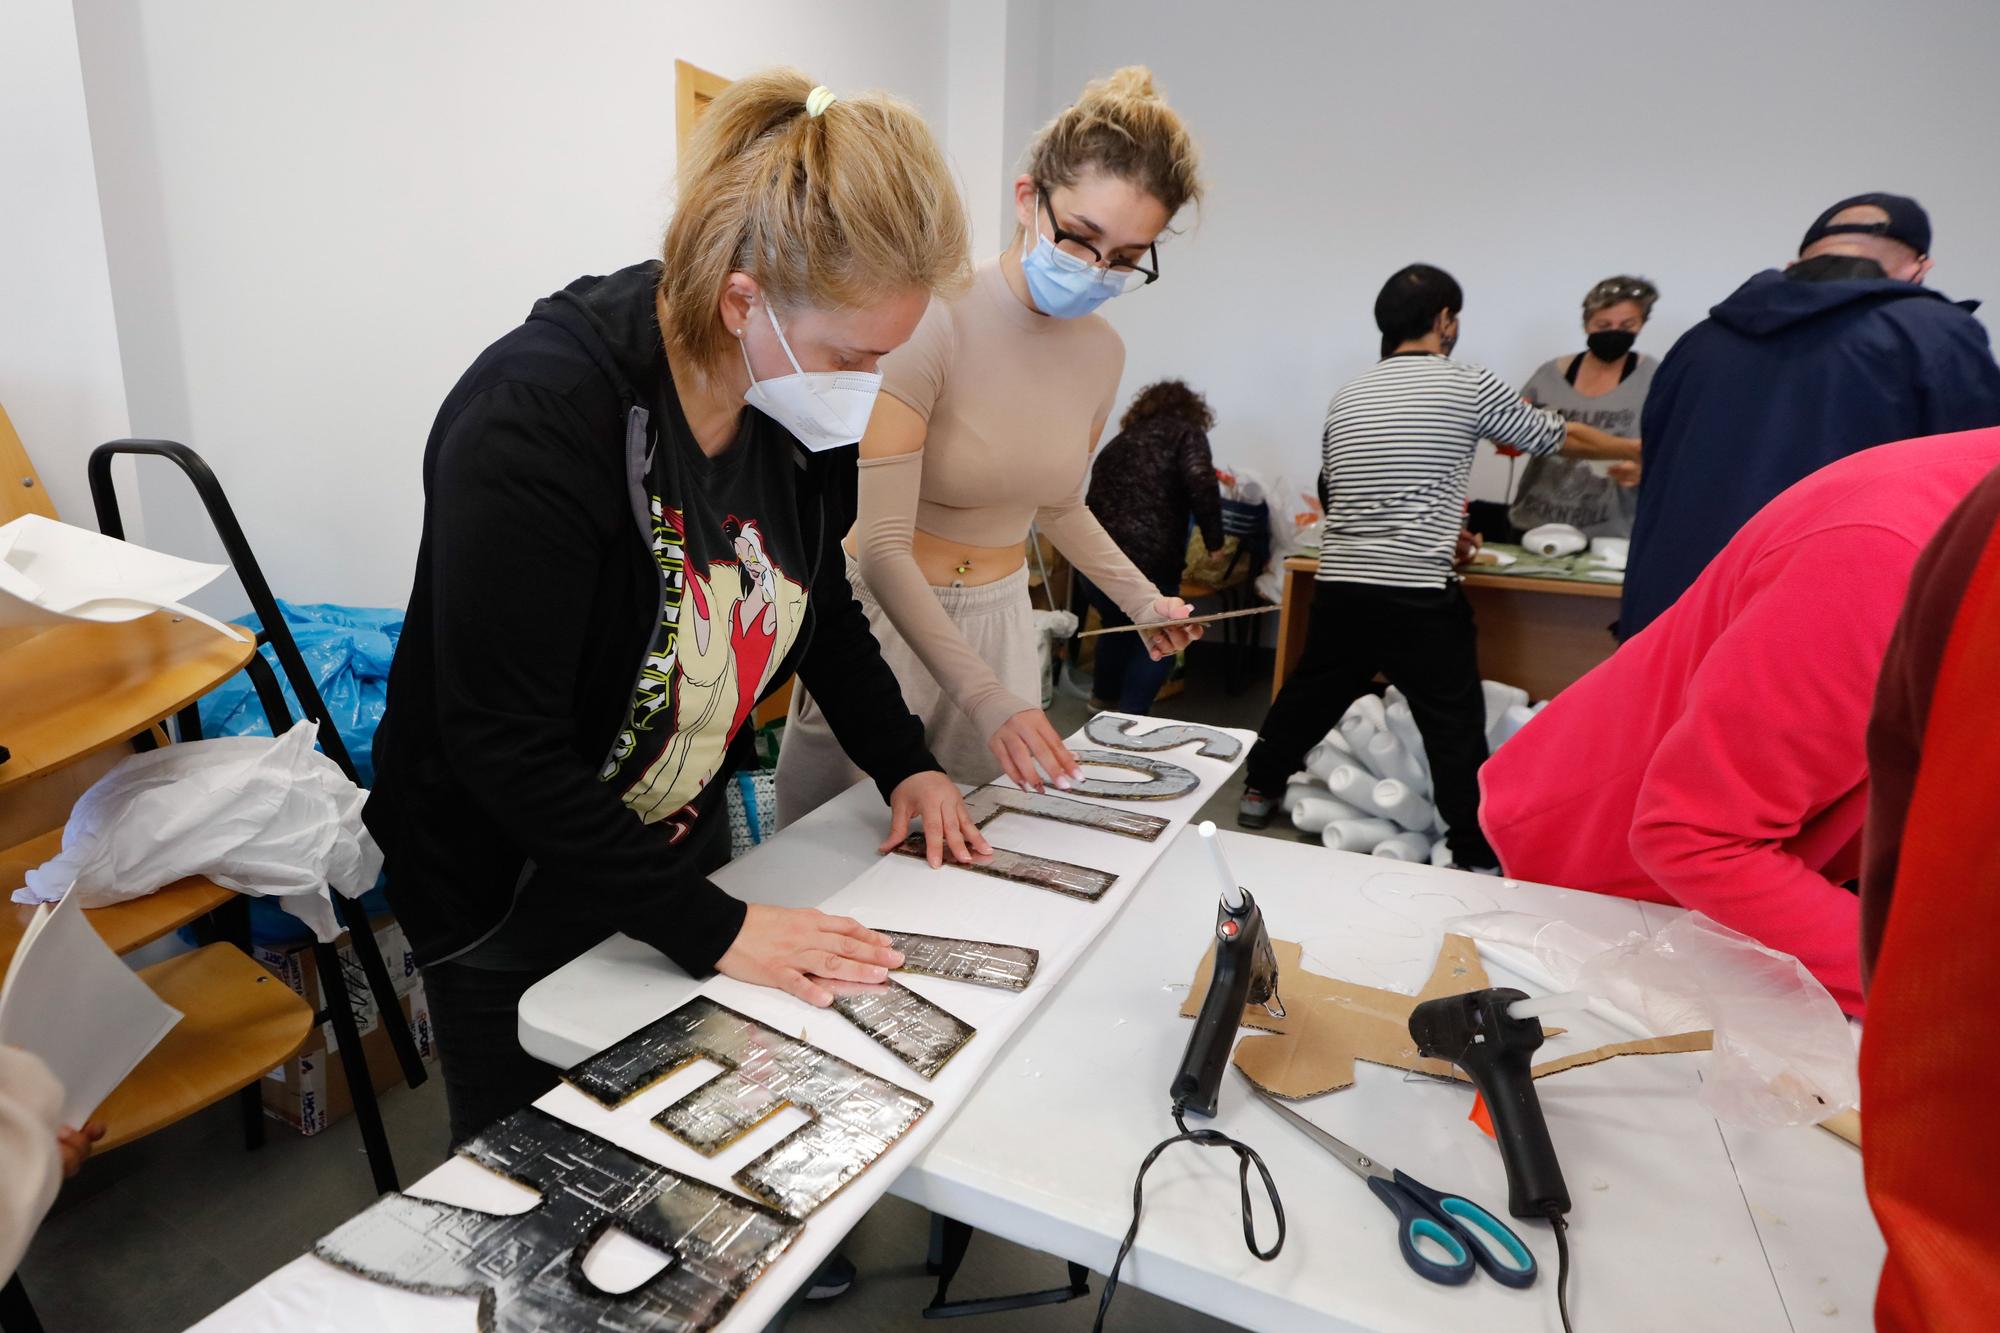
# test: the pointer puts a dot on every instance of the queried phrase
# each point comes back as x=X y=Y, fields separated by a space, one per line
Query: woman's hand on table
x=934 y=799
x=799 y=950
x=1166 y=642
x=1027 y=747
x=1469 y=543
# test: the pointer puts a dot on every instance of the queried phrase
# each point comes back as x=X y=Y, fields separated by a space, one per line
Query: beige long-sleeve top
x=30 y=1165
x=1011 y=400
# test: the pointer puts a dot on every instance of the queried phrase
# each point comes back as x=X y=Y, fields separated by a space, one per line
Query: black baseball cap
x=1907 y=222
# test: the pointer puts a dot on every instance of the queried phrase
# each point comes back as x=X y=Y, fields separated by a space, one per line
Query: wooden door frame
x=694 y=89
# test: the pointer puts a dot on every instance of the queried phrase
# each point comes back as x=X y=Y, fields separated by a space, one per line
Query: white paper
x=894 y=892
x=51 y=573
x=72 y=1001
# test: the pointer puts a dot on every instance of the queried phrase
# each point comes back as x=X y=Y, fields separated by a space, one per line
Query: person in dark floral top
x=1148 y=482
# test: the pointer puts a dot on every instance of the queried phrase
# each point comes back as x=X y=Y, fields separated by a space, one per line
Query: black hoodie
x=1783 y=378
x=537 y=593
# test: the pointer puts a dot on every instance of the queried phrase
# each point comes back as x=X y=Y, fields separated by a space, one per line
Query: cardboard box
x=309 y=1092
x=298 y=967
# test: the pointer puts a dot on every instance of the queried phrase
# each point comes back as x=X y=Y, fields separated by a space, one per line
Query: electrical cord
x=1246 y=1157
x=1561 y=1225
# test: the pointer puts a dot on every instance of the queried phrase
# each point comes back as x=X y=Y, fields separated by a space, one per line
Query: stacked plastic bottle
x=1367 y=786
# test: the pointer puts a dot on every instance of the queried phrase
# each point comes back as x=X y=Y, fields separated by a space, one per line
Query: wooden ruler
x=1180 y=624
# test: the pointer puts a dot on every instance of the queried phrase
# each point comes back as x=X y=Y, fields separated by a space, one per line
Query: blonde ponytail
x=825 y=211
x=1122 y=126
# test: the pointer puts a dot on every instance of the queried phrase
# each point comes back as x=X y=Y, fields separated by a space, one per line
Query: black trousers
x=475 y=1012
x=1424 y=641
x=475 y=1007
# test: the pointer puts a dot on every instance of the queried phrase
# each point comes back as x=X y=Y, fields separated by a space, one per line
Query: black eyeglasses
x=1133 y=275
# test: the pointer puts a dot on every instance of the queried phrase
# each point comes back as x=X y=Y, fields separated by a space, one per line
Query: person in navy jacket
x=1842 y=350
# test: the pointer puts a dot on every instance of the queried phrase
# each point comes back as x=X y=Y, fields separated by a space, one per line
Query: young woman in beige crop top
x=985 y=426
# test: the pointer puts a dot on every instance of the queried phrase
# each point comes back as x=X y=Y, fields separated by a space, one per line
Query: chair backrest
x=20 y=488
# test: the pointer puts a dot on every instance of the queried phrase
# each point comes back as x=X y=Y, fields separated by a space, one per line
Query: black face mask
x=1611 y=344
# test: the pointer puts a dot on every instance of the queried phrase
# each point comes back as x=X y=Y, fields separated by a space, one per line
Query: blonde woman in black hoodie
x=633 y=512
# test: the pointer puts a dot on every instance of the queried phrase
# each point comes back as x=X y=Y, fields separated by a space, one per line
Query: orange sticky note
x=1482 y=1117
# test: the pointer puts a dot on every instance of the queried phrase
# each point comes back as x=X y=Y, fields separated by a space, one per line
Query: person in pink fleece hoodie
x=1718 y=760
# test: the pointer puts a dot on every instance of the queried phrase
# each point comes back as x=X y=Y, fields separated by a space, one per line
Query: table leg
x=950 y=1239
x=1294 y=610
x=1541 y=641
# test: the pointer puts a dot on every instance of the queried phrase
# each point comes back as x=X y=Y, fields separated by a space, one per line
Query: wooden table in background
x=1539 y=633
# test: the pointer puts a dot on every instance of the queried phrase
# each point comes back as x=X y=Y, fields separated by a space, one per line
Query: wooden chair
x=239 y=1021
x=277 y=712
x=20 y=486
x=77 y=698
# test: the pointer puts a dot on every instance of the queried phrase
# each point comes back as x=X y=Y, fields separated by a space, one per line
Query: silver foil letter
x=1164 y=781
x=1008 y=966
x=855 y=1114
x=527 y=1268
x=922 y=1035
x=1115 y=733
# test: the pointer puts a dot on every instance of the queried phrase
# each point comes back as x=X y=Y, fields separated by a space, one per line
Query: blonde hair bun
x=1131 y=81
x=1122 y=126
x=828 y=202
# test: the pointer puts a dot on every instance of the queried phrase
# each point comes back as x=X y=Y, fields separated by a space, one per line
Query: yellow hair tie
x=818 y=100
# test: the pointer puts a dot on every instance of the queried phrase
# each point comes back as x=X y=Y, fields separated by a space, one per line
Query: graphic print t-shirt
x=732 y=561
x=733 y=575
x=1580 y=491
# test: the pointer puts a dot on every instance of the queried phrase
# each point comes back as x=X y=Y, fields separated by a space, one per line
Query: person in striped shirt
x=1396 y=461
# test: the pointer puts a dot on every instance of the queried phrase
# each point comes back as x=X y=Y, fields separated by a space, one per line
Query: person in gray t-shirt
x=1605 y=387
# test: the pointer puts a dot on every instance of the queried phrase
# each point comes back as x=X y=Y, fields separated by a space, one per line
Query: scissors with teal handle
x=1422 y=1213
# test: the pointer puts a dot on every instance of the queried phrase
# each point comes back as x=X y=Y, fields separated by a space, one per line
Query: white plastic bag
x=261 y=816
x=1295 y=528
x=1784 y=1054
x=1051 y=628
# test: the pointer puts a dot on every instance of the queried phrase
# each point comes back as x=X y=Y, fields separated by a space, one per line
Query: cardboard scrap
x=1328 y=1024
x=1844 y=1124
x=1679 y=1043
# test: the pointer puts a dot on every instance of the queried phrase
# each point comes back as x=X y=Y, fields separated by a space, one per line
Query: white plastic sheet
x=1784 y=1054
x=51 y=572
x=269 y=817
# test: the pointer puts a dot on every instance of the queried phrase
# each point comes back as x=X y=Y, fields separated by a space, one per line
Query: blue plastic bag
x=347 y=651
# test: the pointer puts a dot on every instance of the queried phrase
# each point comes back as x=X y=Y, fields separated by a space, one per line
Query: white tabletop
x=894 y=892
x=1678 y=1222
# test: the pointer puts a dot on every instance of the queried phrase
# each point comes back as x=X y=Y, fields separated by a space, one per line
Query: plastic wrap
x=1784 y=1054
x=262 y=817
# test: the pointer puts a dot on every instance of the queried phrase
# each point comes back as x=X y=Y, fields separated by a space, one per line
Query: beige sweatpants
x=996 y=619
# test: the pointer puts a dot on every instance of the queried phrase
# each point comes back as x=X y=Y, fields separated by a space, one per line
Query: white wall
x=1530 y=150
x=976 y=125
x=314 y=218
x=59 y=369
x=318 y=215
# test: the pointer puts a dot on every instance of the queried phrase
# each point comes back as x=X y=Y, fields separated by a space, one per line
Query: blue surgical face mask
x=1062 y=285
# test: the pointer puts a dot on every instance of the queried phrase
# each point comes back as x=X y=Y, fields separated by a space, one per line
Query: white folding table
x=1679 y=1221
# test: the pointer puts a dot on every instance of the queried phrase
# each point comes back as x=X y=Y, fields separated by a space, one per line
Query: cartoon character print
x=732 y=627
x=654 y=693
